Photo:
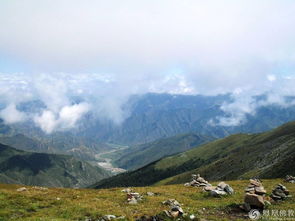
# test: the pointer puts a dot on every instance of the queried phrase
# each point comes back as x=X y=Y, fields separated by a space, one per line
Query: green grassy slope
x=138 y=156
x=91 y=204
x=43 y=169
x=267 y=155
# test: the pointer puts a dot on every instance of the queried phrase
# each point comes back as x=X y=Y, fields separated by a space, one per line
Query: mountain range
x=151 y=117
x=42 y=169
x=241 y=156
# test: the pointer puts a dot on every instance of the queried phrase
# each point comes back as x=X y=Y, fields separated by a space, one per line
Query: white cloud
x=69 y=115
x=105 y=51
x=67 y=118
x=11 y=115
x=271 y=77
x=46 y=121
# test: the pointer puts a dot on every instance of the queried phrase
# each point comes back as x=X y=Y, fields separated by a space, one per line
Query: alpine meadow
x=147 y=110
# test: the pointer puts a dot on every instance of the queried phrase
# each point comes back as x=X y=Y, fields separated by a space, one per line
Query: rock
x=175 y=208
x=290 y=179
x=171 y=203
x=217 y=193
x=209 y=188
x=255 y=182
x=132 y=201
x=150 y=194
x=201 y=180
x=192 y=217
x=21 y=189
x=254 y=200
x=222 y=185
x=246 y=207
x=250 y=190
x=133 y=198
x=127 y=190
x=198 y=181
x=229 y=189
x=280 y=192
x=222 y=189
x=260 y=190
x=174 y=214
x=39 y=188
x=109 y=217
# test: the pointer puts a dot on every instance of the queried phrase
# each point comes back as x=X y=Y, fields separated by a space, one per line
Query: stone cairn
x=290 y=179
x=132 y=197
x=255 y=196
x=198 y=181
x=222 y=189
x=175 y=208
x=175 y=212
x=280 y=192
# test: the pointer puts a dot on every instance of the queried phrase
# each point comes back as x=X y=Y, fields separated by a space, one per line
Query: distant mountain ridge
x=151 y=117
x=266 y=155
x=21 y=167
x=141 y=155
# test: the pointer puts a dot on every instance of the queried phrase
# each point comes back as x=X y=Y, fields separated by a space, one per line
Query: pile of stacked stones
x=175 y=208
x=198 y=181
x=222 y=189
x=132 y=197
x=280 y=192
x=175 y=212
x=109 y=218
x=255 y=195
x=290 y=179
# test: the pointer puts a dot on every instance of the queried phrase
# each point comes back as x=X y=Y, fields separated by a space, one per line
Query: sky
x=106 y=51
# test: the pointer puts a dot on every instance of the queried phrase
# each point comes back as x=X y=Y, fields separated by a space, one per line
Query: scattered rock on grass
x=133 y=198
x=175 y=208
x=111 y=217
x=40 y=188
x=198 y=181
x=290 y=179
x=222 y=189
x=21 y=189
x=280 y=192
x=150 y=194
x=127 y=190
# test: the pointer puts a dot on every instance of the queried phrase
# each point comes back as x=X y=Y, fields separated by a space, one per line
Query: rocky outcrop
x=198 y=181
x=21 y=189
x=222 y=189
x=290 y=179
x=175 y=212
x=280 y=192
x=133 y=198
x=109 y=217
x=175 y=208
x=255 y=195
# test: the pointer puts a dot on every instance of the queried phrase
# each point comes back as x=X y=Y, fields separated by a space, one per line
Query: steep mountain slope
x=23 y=142
x=266 y=155
x=17 y=166
x=141 y=155
x=156 y=116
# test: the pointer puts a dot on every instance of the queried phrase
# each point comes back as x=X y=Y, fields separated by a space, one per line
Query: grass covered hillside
x=17 y=166
x=266 y=155
x=138 y=156
x=90 y=204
